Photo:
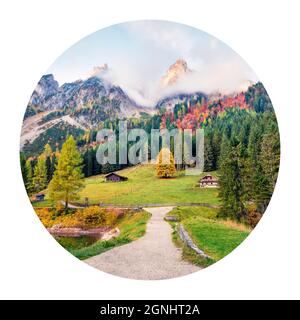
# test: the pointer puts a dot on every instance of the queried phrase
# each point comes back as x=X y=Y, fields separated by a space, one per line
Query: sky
x=139 y=53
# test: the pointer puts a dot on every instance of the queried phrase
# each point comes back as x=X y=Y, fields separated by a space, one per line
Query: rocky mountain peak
x=175 y=71
x=47 y=85
x=46 y=88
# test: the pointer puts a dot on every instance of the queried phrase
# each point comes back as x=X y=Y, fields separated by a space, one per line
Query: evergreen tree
x=67 y=178
x=209 y=157
x=254 y=172
x=231 y=182
x=96 y=167
x=23 y=167
x=48 y=154
x=270 y=157
x=90 y=162
x=216 y=145
x=48 y=168
x=53 y=165
x=165 y=167
x=29 y=178
x=262 y=191
x=40 y=175
x=84 y=168
x=247 y=174
x=254 y=145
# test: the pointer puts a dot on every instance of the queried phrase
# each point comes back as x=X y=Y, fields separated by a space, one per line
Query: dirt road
x=152 y=257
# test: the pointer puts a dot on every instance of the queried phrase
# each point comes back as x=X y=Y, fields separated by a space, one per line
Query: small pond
x=76 y=242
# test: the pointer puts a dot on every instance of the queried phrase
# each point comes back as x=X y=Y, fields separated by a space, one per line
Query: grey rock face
x=88 y=101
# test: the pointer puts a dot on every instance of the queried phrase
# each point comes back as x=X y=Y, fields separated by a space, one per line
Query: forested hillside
x=241 y=143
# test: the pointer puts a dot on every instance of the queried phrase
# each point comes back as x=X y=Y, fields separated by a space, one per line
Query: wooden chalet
x=208 y=181
x=114 y=177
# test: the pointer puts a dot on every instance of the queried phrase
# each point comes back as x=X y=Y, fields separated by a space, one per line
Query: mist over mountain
x=97 y=71
x=98 y=93
x=177 y=79
x=87 y=103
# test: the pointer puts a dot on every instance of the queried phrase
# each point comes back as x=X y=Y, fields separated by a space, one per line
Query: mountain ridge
x=78 y=97
x=85 y=104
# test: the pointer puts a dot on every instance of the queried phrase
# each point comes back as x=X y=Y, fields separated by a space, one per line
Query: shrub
x=97 y=217
x=45 y=215
x=118 y=212
x=111 y=217
x=68 y=221
x=253 y=216
x=92 y=216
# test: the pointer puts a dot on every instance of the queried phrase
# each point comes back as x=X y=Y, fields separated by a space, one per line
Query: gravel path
x=152 y=257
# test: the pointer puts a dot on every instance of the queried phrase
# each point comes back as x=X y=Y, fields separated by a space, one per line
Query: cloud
x=217 y=68
x=127 y=80
x=139 y=53
x=223 y=77
x=166 y=35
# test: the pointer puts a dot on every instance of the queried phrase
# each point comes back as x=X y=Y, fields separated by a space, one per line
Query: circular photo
x=149 y=150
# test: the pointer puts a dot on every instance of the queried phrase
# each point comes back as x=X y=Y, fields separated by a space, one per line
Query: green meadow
x=144 y=187
x=216 y=237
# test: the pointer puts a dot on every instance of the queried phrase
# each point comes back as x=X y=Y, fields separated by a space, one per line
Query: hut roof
x=208 y=178
x=115 y=174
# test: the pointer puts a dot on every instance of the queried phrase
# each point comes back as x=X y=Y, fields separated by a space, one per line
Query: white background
x=34 y=34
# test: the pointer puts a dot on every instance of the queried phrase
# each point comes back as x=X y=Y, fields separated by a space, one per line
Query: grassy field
x=214 y=236
x=42 y=204
x=131 y=228
x=143 y=187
